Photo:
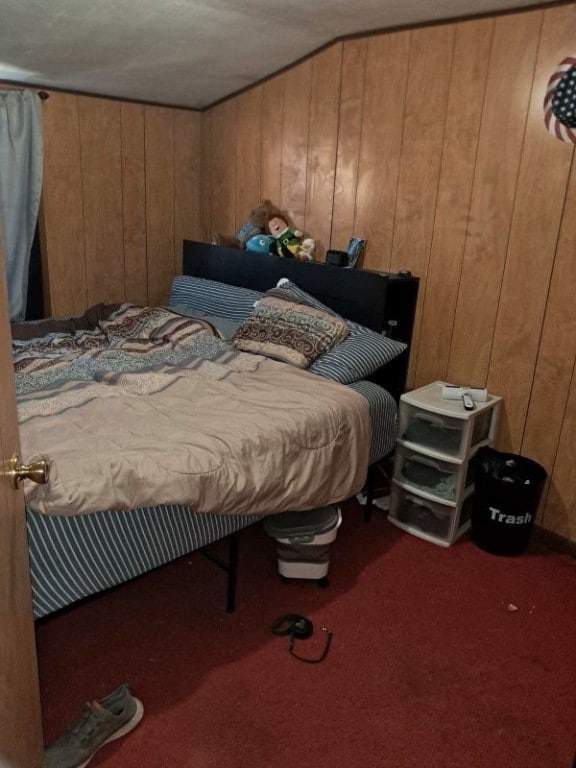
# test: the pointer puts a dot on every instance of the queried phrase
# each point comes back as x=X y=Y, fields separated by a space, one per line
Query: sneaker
x=101 y=721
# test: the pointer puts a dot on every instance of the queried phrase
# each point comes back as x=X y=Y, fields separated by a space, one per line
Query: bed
x=78 y=549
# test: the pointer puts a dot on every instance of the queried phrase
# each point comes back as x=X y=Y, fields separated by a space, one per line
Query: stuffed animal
x=254 y=225
x=306 y=250
x=260 y=243
x=288 y=240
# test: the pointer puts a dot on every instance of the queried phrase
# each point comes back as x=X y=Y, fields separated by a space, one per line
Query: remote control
x=468 y=402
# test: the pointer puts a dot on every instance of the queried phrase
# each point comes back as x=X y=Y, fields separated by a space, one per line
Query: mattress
x=74 y=557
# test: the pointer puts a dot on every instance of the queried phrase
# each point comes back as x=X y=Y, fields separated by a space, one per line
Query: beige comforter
x=233 y=434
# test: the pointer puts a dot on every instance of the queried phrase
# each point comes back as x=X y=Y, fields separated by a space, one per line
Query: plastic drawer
x=441 y=433
x=430 y=520
x=430 y=475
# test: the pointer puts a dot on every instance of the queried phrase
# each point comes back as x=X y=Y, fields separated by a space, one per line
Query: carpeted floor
x=429 y=665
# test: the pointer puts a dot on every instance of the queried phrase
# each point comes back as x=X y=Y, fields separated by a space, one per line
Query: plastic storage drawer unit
x=436 y=458
x=303 y=541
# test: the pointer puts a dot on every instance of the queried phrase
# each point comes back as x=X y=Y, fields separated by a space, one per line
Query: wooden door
x=20 y=715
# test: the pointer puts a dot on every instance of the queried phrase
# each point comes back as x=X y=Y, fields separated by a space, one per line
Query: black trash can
x=507 y=492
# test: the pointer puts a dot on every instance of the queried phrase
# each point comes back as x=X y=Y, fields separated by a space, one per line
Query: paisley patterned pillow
x=289 y=331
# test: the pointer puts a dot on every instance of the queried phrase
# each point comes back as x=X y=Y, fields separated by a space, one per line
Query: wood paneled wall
x=121 y=191
x=430 y=143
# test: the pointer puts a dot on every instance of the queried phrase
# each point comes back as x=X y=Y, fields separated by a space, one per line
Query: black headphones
x=301 y=628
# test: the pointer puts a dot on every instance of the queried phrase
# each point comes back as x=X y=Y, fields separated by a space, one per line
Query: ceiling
x=190 y=53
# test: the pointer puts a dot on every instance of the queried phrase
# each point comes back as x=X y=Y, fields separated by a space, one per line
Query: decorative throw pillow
x=288 y=330
x=362 y=352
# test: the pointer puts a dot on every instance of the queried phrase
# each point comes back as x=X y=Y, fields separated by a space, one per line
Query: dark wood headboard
x=384 y=302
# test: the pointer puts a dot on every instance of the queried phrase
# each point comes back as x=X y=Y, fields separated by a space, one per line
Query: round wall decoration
x=560 y=101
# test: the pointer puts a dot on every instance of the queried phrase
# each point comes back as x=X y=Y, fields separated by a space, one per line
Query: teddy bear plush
x=254 y=225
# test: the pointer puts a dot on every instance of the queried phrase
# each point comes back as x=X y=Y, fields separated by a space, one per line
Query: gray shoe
x=102 y=721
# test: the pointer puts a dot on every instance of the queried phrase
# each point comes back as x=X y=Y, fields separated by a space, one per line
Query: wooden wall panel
x=380 y=144
x=62 y=210
x=100 y=148
x=429 y=69
x=466 y=96
x=501 y=134
x=431 y=52
x=134 y=203
x=122 y=188
x=160 y=240
x=463 y=112
x=348 y=148
x=248 y=142
x=322 y=142
x=222 y=178
x=296 y=116
x=560 y=515
x=272 y=127
x=206 y=120
x=532 y=243
x=547 y=408
x=187 y=185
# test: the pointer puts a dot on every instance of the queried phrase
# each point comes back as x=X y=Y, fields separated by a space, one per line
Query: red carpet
x=428 y=666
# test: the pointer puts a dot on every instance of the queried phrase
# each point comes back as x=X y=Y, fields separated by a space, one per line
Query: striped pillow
x=361 y=353
x=211 y=297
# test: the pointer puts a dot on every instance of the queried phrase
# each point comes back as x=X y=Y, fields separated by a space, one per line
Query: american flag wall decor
x=560 y=101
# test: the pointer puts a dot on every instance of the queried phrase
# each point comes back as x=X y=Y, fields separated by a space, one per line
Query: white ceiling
x=190 y=52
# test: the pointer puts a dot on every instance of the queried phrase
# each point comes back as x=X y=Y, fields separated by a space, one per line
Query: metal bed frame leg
x=231 y=568
x=372 y=487
x=232 y=571
x=370 y=481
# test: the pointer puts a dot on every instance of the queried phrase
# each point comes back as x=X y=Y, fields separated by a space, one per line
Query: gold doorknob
x=37 y=471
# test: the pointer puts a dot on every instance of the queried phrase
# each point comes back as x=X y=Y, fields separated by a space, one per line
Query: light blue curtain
x=20 y=186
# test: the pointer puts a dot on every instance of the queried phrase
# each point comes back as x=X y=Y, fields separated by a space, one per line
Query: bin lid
x=309 y=522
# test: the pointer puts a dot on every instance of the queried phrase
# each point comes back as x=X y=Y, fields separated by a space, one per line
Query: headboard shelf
x=382 y=301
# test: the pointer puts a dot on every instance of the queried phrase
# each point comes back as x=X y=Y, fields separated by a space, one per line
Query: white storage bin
x=430 y=520
x=303 y=541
